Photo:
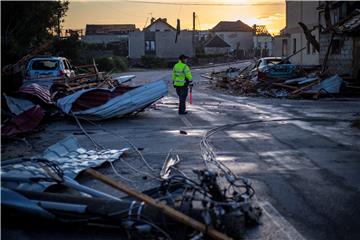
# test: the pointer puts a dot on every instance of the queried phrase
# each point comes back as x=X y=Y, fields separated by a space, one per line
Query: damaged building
x=292 y=38
x=341 y=38
x=158 y=39
x=115 y=36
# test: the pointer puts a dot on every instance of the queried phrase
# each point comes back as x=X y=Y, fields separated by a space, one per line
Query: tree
x=27 y=23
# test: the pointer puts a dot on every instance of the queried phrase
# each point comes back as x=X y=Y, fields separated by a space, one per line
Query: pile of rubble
x=248 y=81
x=50 y=187
x=90 y=94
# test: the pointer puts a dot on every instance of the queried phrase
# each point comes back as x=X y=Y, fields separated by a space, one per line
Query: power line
x=209 y=4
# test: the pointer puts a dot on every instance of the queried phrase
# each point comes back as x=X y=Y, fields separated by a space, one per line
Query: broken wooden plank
x=179 y=216
x=82 y=86
x=298 y=91
x=285 y=86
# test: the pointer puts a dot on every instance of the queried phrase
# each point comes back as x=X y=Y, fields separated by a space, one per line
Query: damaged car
x=48 y=66
x=273 y=67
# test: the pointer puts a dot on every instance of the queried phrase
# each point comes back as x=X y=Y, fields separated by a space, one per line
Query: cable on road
x=209 y=156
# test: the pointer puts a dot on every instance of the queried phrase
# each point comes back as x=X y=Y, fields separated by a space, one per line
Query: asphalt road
x=305 y=168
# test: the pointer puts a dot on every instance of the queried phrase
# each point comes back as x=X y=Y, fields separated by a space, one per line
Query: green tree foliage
x=151 y=61
x=71 y=48
x=112 y=64
x=24 y=24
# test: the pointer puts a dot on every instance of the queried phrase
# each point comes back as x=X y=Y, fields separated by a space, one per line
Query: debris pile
x=47 y=187
x=89 y=94
x=252 y=81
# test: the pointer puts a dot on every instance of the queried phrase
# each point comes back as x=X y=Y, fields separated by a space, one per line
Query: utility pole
x=193 y=35
x=58 y=21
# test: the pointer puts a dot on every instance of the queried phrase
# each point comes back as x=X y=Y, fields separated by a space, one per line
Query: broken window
x=45 y=65
x=336 y=47
x=294 y=45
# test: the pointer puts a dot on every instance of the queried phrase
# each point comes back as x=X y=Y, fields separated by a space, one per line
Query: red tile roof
x=163 y=20
x=105 y=29
x=227 y=26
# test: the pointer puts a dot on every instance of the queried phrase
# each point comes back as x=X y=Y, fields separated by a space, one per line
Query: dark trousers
x=182 y=92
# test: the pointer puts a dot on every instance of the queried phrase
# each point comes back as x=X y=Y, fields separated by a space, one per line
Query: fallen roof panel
x=67 y=153
x=17 y=105
x=118 y=106
x=39 y=91
x=23 y=123
x=329 y=85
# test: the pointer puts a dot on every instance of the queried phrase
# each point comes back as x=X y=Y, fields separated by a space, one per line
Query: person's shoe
x=183 y=113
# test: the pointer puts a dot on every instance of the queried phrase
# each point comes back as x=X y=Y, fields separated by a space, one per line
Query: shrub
x=150 y=61
x=113 y=63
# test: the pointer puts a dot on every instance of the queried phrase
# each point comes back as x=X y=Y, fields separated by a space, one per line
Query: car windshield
x=276 y=61
x=45 y=65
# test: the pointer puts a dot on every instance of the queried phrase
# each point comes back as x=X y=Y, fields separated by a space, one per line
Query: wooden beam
x=285 y=86
x=82 y=86
x=178 y=216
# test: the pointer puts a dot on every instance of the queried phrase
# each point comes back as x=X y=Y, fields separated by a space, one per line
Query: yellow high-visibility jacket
x=181 y=73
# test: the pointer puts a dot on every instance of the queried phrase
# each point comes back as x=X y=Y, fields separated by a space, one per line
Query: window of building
x=336 y=47
x=150 y=46
x=308 y=48
x=265 y=45
x=294 y=45
x=336 y=16
x=284 y=47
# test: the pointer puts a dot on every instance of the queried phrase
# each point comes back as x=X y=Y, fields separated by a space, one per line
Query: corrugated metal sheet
x=15 y=200
x=17 y=105
x=68 y=154
x=23 y=123
x=45 y=82
x=119 y=106
x=329 y=85
x=41 y=92
x=124 y=79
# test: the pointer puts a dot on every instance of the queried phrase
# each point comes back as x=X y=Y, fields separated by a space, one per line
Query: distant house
x=158 y=39
x=111 y=36
x=159 y=25
x=237 y=34
x=216 y=45
x=344 y=55
x=262 y=41
x=107 y=33
x=292 y=37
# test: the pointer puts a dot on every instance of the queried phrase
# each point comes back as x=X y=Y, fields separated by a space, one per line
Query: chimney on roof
x=164 y=19
x=152 y=20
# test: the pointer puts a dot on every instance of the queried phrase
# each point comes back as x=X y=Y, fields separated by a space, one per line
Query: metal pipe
x=75 y=185
x=68 y=207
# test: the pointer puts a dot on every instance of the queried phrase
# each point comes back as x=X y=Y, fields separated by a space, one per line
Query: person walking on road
x=182 y=80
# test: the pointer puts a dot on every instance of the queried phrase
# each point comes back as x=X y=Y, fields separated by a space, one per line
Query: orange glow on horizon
x=209 y=12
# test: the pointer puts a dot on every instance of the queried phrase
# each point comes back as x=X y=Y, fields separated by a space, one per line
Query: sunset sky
x=262 y=12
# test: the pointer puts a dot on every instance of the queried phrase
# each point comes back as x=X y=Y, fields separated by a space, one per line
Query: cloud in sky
x=270 y=17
